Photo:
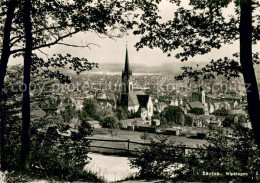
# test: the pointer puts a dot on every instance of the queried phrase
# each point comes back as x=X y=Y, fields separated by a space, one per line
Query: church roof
x=134 y=99
x=143 y=100
x=196 y=104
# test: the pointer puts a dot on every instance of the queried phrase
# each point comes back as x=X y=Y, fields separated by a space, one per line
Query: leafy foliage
x=199 y=28
x=220 y=159
x=197 y=111
x=221 y=112
x=63 y=156
x=51 y=67
x=188 y=120
x=194 y=30
x=69 y=113
x=10 y=107
x=229 y=68
x=53 y=21
x=89 y=108
x=225 y=156
x=121 y=113
x=173 y=115
x=53 y=155
x=157 y=160
x=111 y=123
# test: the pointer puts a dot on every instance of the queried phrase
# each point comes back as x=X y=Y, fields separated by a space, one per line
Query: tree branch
x=79 y=46
x=48 y=44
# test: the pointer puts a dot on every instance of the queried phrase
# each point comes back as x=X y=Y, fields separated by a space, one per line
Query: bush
x=224 y=155
x=61 y=156
x=157 y=160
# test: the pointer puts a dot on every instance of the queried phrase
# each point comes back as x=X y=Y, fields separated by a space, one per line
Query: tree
x=173 y=114
x=89 y=108
x=157 y=160
x=221 y=112
x=26 y=112
x=67 y=19
x=197 y=111
x=3 y=64
x=121 y=113
x=203 y=27
x=229 y=120
x=6 y=48
x=196 y=96
x=56 y=155
x=111 y=123
x=10 y=120
x=238 y=155
x=188 y=120
x=69 y=113
x=85 y=129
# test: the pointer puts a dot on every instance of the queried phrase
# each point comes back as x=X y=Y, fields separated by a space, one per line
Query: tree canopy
x=199 y=28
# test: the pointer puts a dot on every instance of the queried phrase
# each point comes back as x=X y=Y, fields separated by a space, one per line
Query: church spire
x=127 y=71
x=127 y=82
x=127 y=67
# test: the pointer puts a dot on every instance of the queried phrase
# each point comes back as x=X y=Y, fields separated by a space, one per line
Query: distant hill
x=165 y=68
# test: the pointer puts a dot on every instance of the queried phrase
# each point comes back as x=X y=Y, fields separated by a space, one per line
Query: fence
x=130 y=148
x=116 y=145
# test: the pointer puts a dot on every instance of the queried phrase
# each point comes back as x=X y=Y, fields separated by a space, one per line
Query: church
x=134 y=100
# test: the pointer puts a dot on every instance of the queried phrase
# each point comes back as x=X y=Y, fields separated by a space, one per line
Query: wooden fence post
x=128 y=145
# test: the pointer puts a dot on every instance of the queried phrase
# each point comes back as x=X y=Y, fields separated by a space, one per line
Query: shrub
x=157 y=160
x=224 y=155
x=62 y=156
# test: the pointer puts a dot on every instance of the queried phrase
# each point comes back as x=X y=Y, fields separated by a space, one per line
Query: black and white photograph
x=129 y=91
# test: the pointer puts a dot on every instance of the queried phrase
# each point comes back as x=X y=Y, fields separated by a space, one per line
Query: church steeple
x=127 y=75
x=127 y=67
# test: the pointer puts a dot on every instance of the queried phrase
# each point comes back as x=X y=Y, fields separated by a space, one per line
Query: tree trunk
x=248 y=68
x=6 y=41
x=3 y=66
x=25 y=151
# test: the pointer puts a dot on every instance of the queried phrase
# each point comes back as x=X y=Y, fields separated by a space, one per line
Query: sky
x=113 y=51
